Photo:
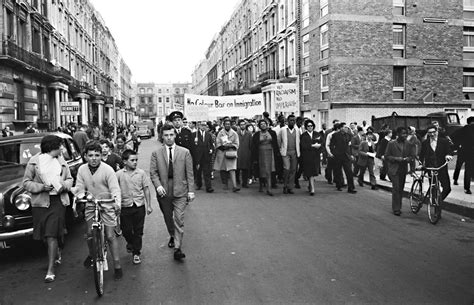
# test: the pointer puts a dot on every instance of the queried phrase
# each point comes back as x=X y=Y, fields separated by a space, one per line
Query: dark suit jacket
x=186 y=140
x=363 y=150
x=183 y=176
x=204 y=147
x=394 y=156
x=355 y=142
x=436 y=158
x=340 y=146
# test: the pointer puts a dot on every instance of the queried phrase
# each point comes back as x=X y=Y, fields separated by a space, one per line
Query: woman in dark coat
x=264 y=153
x=310 y=143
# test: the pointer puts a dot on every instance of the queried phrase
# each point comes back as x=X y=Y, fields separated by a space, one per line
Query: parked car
x=15 y=207
x=143 y=130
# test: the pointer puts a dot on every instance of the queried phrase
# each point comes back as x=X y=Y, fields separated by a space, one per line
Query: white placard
x=286 y=98
x=203 y=107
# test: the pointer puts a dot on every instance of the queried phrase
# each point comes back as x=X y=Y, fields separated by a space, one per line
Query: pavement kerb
x=450 y=204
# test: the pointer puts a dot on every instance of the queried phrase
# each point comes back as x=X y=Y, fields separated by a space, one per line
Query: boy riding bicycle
x=98 y=178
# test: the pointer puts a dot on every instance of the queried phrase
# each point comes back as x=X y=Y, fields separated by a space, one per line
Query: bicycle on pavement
x=99 y=243
x=432 y=196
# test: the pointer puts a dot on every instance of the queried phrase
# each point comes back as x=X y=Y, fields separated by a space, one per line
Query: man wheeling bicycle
x=435 y=151
x=98 y=178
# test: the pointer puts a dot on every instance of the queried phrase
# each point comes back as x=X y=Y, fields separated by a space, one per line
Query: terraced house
x=59 y=63
x=350 y=59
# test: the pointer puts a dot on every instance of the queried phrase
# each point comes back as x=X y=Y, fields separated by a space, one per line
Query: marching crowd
x=242 y=151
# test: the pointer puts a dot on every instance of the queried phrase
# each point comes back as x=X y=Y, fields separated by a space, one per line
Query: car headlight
x=23 y=202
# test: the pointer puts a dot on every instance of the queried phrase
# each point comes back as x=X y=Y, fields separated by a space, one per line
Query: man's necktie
x=170 y=165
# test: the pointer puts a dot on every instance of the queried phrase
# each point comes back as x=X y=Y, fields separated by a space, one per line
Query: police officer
x=184 y=136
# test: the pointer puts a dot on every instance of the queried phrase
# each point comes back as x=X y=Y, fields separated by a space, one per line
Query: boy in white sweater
x=99 y=179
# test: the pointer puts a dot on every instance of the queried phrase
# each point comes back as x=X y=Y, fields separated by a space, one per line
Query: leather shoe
x=210 y=190
x=374 y=187
x=397 y=213
x=339 y=189
x=456 y=182
x=361 y=184
x=178 y=255
x=311 y=193
x=297 y=186
x=468 y=192
x=269 y=193
x=290 y=191
x=171 y=243
x=198 y=188
x=285 y=190
x=235 y=189
x=351 y=191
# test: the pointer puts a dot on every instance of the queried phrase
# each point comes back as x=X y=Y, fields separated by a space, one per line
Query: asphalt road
x=249 y=248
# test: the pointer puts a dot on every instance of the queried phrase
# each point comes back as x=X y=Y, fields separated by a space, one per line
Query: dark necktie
x=170 y=165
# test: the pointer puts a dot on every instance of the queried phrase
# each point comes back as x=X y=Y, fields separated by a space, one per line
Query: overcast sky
x=163 y=40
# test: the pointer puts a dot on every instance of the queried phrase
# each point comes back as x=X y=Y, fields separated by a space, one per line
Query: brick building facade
x=353 y=59
x=373 y=58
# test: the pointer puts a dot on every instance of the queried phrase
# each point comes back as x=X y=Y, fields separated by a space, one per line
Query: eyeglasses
x=310 y=125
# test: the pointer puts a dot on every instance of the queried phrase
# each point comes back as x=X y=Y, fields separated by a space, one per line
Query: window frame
x=323 y=8
x=399 y=47
x=324 y=74
x=398 y=88
x=323 y=30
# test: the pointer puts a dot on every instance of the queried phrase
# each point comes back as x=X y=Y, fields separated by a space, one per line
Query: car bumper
x=16 y=234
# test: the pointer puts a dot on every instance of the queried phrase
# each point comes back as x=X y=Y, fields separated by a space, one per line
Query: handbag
x=230 y=154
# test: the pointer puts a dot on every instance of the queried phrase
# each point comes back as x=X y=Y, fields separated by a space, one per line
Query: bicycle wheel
x=416 y=196
x=434 y=207
x=98 y=260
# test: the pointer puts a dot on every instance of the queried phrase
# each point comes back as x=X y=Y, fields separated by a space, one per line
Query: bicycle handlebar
x=436 y=168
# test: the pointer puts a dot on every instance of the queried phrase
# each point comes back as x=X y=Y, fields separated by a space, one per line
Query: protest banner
x=286 y=98
x=203 y=107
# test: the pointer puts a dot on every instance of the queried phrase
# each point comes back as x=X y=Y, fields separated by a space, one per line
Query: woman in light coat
x=48 y=179
x=227 y=143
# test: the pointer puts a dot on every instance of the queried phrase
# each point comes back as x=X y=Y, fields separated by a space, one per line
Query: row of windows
x=160 y=91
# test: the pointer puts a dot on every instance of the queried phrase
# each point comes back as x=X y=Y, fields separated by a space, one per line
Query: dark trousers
x=132 y=221
x=459 y=162
x=398 y=184
x=468 y=173
x=384 y=169
x=443 y=178
x=343 y=164
x=203 y=170
x=299 y=172
x=370 y=168
x=245 y=176
x=329 y=169
x=355 y=166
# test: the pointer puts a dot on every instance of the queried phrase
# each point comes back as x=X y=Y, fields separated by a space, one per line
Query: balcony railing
x=267 y=75
x=11 y=49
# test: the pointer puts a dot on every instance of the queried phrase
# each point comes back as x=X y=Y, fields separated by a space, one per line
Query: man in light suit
x=289 y=141
x=171 y=171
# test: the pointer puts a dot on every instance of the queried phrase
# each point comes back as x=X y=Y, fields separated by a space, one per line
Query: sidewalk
x=457 y=201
